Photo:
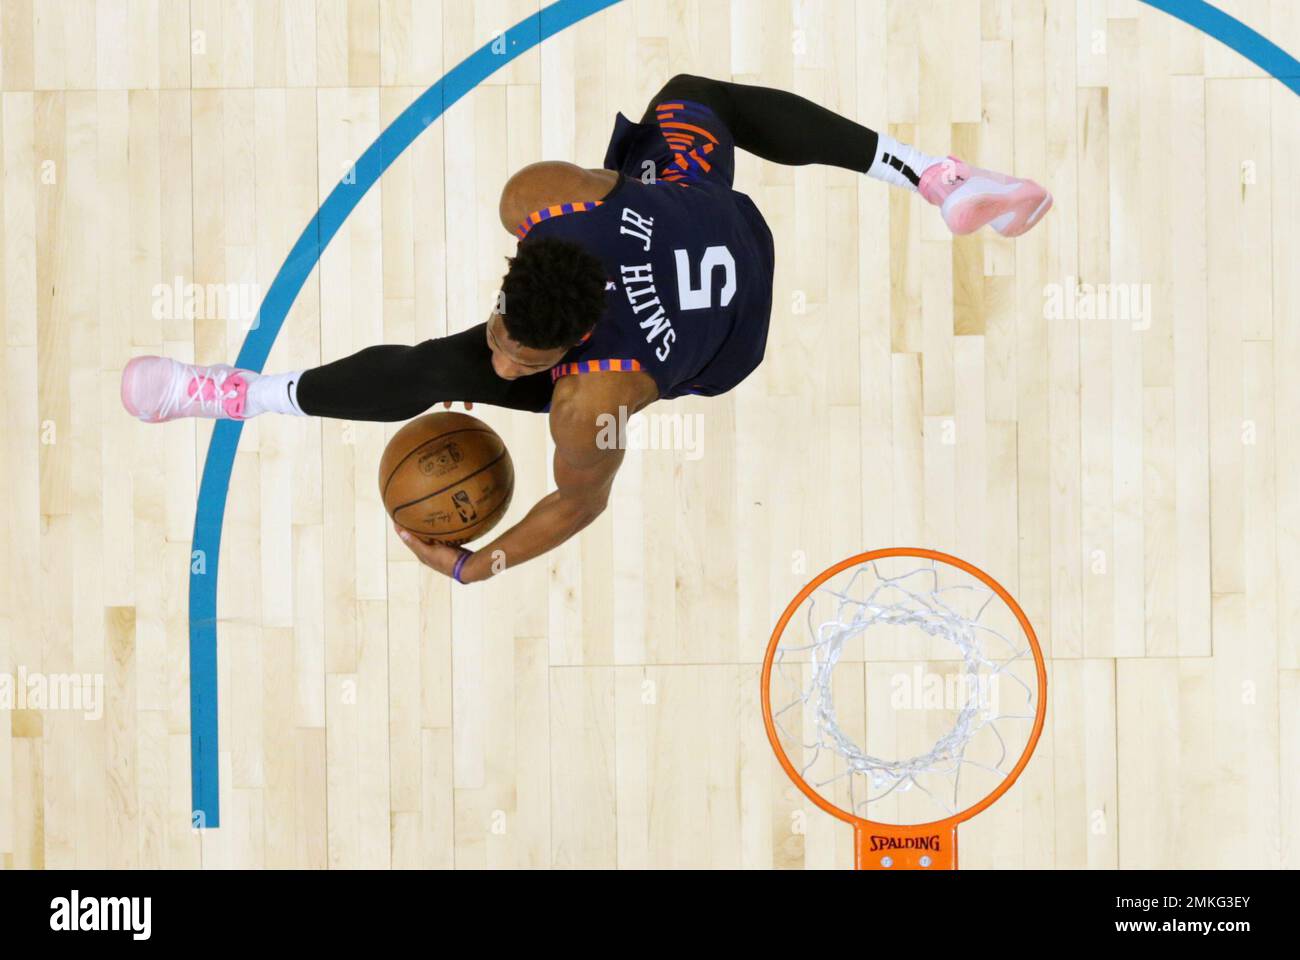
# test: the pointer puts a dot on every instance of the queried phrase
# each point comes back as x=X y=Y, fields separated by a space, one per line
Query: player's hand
x=435 y=556
x=448 y=404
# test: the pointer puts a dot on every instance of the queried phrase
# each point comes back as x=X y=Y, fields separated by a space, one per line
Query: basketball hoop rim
x=769 y=722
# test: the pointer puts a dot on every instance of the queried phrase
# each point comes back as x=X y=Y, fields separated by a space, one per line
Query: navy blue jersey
x=689 y=260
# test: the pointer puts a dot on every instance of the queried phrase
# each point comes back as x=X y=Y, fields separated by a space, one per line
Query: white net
x=910 y=659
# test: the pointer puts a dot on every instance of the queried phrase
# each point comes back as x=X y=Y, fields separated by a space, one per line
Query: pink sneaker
x=969 y=198
x=157 y=389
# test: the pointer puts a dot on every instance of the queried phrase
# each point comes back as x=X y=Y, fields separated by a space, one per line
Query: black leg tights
x=776 y=125
x=393 y=383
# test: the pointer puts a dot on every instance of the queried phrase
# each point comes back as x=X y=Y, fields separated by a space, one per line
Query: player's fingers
x=416 y=545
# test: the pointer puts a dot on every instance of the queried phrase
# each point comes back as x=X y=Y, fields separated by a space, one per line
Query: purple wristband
x=460 y=564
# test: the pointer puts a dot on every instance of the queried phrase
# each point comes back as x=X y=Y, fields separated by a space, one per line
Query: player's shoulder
x=585 y=405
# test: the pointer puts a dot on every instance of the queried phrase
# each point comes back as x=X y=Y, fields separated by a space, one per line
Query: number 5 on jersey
x=700 y=297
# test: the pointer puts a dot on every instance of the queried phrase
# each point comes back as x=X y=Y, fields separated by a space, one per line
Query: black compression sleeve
x=392 y=383
x=776 y=125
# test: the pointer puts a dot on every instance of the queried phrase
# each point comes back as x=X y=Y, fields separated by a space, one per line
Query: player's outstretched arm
x=584 y=475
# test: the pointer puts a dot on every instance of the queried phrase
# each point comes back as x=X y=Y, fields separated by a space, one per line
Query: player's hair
x=554 y=294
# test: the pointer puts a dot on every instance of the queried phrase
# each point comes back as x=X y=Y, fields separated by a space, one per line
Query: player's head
x=552 y=296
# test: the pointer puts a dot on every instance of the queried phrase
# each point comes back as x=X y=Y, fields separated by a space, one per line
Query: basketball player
x=646 y=280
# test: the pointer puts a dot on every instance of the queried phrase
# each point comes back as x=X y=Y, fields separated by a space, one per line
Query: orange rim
x=864 y=558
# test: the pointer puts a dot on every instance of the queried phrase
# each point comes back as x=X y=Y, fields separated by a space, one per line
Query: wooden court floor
x=1126 y=465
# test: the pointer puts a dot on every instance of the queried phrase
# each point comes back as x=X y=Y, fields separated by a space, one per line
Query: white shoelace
x=178 y=396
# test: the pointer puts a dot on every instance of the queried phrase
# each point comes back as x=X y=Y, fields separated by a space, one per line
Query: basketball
x=446 y=477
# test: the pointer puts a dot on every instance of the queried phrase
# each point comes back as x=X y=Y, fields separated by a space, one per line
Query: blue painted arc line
x=325 y=224
x=302 y=259
x=1234 y=34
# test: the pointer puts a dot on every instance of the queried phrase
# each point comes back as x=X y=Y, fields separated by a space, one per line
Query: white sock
x=274 y=393
x=894 y=160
